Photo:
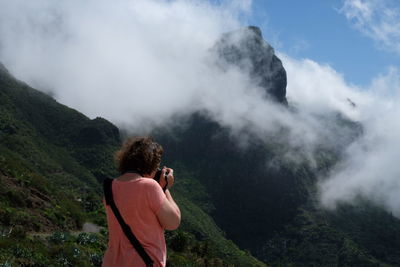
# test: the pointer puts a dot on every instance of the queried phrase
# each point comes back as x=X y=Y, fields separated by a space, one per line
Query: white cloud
x=140 y=63
x=130 y=60
x=319 y=89
x=371 y=168
x=377 y=19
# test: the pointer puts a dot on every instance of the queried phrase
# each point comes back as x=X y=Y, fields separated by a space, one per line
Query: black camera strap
x=107 y=185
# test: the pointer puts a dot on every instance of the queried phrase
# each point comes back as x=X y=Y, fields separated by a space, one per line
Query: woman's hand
x=167 y=174
x=169 y=214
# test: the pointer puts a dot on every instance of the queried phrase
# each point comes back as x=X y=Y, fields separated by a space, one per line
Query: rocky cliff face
x=247 y=49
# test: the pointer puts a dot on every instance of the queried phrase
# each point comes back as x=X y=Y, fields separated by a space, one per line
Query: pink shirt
x=138 y=202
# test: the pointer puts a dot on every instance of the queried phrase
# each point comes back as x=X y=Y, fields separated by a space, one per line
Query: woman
x=143 y=204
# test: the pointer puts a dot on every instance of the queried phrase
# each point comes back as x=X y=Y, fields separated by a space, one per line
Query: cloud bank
x=142 y=63
x=130 y=61
x=370 y=168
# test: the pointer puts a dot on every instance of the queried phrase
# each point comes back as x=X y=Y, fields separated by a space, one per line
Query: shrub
x=85 y=238
x=180 y=241
x=96 y=259
x=16 y=198
x=60 y=237
x=18 y=232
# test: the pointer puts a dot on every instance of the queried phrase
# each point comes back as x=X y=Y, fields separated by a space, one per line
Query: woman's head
x=140 y=154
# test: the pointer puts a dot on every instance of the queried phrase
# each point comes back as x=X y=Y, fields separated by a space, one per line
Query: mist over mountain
x=265 y=192
x=268 y=137
x=241 y=196
x=262 y=193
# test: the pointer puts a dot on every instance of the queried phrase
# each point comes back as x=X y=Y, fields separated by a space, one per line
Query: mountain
x=266 y=203
x=52 y=162
x=247 y=49
x=53 y=159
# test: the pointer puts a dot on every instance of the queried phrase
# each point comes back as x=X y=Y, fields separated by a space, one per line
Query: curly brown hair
x=139 y=154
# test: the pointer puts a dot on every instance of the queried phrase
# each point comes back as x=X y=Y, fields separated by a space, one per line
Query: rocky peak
x=247 y=49
x=3 y=69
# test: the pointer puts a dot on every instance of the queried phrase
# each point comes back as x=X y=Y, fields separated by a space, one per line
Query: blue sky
x=317 y=30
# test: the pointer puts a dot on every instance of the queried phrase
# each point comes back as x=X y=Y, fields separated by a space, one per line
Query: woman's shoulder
x=142 y=184
x=139 y=182
x=148 y=182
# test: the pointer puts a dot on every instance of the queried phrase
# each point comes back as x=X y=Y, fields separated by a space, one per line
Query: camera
x=157 y=177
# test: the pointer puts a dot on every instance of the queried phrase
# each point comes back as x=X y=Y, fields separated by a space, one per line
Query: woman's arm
x=169 y=214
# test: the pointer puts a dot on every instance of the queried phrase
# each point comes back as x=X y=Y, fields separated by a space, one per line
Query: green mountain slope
x=272 y=209
x=52 y=160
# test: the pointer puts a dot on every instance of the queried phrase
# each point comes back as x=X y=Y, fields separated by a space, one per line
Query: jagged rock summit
x=3 y=68
x=247 y=49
